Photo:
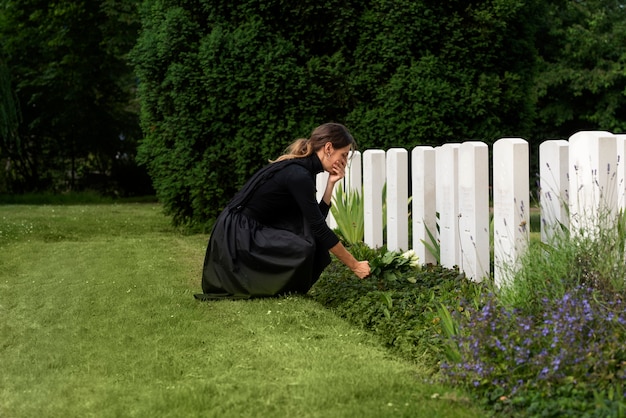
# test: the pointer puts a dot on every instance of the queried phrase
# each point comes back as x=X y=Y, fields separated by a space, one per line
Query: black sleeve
x=302 y=188
x=324 y=208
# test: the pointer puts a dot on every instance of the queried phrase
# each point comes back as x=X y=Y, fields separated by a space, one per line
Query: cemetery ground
x=99 y=319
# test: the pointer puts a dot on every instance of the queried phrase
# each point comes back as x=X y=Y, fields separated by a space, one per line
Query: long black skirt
x=245 y=259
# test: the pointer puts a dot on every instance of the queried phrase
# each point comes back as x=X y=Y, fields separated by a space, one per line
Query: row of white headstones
x=453 y=196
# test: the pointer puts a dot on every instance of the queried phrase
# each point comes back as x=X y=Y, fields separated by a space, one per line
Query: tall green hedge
x=226 y=86
x=435 y=72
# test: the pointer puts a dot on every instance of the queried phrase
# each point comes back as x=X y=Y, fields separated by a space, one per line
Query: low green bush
x=399 y=301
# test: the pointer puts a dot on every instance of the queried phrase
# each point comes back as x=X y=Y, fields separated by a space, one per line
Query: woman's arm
x=360 y=268
x=302 y=187
x=339 y=172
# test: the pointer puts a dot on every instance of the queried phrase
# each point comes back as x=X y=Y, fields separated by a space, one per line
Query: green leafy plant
x=433 y=246
x=450 y=328
x=394 y=265
x=348 y=211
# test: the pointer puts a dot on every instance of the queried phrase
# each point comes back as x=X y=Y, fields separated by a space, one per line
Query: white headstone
x=320 y=185
x=474 y=209
x=510 y=206
x=592 y=180
x=553 y=188
x=621 y=171
x=424 y=216
x=448 y=204
x=397 y=199
x=373 y=183
x=354 y=173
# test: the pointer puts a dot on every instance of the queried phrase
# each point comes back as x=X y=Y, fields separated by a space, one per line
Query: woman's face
x=336 y=156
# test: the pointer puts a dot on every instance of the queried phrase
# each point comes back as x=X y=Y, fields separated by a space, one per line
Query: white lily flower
x=410 y=254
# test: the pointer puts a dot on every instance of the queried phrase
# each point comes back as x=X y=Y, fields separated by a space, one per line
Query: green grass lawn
x=99 y=319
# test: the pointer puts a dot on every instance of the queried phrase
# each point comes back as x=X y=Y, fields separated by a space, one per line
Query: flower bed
x=561 y=352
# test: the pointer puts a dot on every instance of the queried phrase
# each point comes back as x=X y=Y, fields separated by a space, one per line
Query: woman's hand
x=362 y=269
x=338 y=171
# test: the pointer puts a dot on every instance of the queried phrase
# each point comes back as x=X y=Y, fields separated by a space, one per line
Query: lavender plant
x=552 y=342
x=509 y=357
x=550 y=269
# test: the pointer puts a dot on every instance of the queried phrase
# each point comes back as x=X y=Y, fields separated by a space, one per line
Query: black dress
x=272 y=238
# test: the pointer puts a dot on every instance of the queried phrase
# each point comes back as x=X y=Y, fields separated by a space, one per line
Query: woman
x=272 y=238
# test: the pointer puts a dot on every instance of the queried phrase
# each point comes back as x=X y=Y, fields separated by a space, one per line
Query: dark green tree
x=9 y=123
x=74 y=88
x=582 y=83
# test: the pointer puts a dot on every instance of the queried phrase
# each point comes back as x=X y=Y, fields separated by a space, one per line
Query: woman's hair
x=335 y=133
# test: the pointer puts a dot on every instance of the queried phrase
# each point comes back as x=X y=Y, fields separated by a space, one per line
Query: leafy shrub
x=398 y=302
x=223 y=91
x=224 y=88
